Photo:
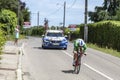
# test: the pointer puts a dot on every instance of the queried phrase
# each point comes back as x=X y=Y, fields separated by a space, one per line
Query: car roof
x=55 y=31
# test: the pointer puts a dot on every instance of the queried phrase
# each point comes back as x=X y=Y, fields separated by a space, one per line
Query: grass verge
x=106 y=50
x=12 y=37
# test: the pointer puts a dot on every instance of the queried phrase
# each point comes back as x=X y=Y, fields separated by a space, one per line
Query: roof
x=72 y=26
x=55 y=31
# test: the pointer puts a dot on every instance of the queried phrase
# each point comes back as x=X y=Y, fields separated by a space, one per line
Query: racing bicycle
x=78 y=63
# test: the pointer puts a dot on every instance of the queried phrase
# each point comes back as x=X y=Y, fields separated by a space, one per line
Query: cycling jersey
x=78 y=43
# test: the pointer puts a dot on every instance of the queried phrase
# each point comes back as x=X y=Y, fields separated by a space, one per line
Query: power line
x=55 y=11
x=72 y=4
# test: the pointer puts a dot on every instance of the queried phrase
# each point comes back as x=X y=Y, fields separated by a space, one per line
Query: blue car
x=54 y=39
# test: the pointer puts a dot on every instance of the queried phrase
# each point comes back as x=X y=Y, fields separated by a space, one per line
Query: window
x=54 y=34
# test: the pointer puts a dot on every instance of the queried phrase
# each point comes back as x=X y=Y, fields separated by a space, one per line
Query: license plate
x=55 y=43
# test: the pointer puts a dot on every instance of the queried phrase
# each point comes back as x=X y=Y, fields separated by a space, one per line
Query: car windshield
x=55 y=34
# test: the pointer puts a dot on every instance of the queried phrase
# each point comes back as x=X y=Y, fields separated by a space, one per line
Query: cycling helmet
x=81 y=42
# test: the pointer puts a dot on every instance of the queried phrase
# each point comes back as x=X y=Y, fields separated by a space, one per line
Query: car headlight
x=46 y=40
x=64 y=40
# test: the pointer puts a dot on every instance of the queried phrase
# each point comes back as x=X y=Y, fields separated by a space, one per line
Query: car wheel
x=65 y=48
x=42 y=46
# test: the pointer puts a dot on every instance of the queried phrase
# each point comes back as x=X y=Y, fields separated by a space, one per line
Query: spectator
x=16 y=35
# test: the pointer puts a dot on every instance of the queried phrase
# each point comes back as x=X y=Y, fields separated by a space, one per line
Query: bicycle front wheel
x=77 y=69
x=77 y=66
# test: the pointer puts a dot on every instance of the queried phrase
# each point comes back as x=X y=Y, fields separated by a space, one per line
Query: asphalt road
x=56 y=64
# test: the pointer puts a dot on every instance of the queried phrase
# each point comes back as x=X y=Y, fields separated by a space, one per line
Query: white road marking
x=98 y=71
x=67 y=54
x=91 y=67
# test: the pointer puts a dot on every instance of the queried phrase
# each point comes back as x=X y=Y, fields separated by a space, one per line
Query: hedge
x=104 y=34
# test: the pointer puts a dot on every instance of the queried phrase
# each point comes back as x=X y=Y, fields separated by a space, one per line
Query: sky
x=53 y=11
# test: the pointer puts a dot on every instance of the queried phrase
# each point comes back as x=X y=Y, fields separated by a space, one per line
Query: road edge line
x=19 y=66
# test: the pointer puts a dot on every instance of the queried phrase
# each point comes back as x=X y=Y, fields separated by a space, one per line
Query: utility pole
x=64 y=16
x=38 y=19
x=18 y=13
x=85 y=25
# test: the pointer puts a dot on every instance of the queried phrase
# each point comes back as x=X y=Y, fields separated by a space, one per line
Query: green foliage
x=104 y=34
x=117 y=17
x=9 y=4
x=73 y=34
x=37 y=31
x=26 y=14
x=12 y=37
x=53 y=27
x=67 y=31
x=106 y=50
x=15 y=5
x=2 y=40
x=109 y=11
x=34 y=31
x=9 y=20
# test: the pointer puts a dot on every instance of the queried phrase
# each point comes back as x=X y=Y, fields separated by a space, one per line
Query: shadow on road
x=37 y=47
x=68 y=71
x=47 y=48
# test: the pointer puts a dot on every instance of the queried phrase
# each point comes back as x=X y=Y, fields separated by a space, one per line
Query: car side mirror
x=66 y=36
x=43 y=35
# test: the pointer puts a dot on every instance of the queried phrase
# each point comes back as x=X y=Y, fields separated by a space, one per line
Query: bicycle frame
x=78 y=63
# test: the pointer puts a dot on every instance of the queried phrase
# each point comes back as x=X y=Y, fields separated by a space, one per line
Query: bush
x=104 y=34
x=34 y=31
x=2 y=40
x=73 y=34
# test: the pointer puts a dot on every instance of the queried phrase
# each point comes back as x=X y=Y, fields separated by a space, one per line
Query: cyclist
x=79 y=47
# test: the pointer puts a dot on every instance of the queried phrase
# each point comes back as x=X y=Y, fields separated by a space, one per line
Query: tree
x=26 y=14
x=108 y=11
x=9 y=19
x=53 y=27
x=103 y=15
x=117 y=17
x=98 y=15
x=9 y=4
x=14 y=5
x=111 y=6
